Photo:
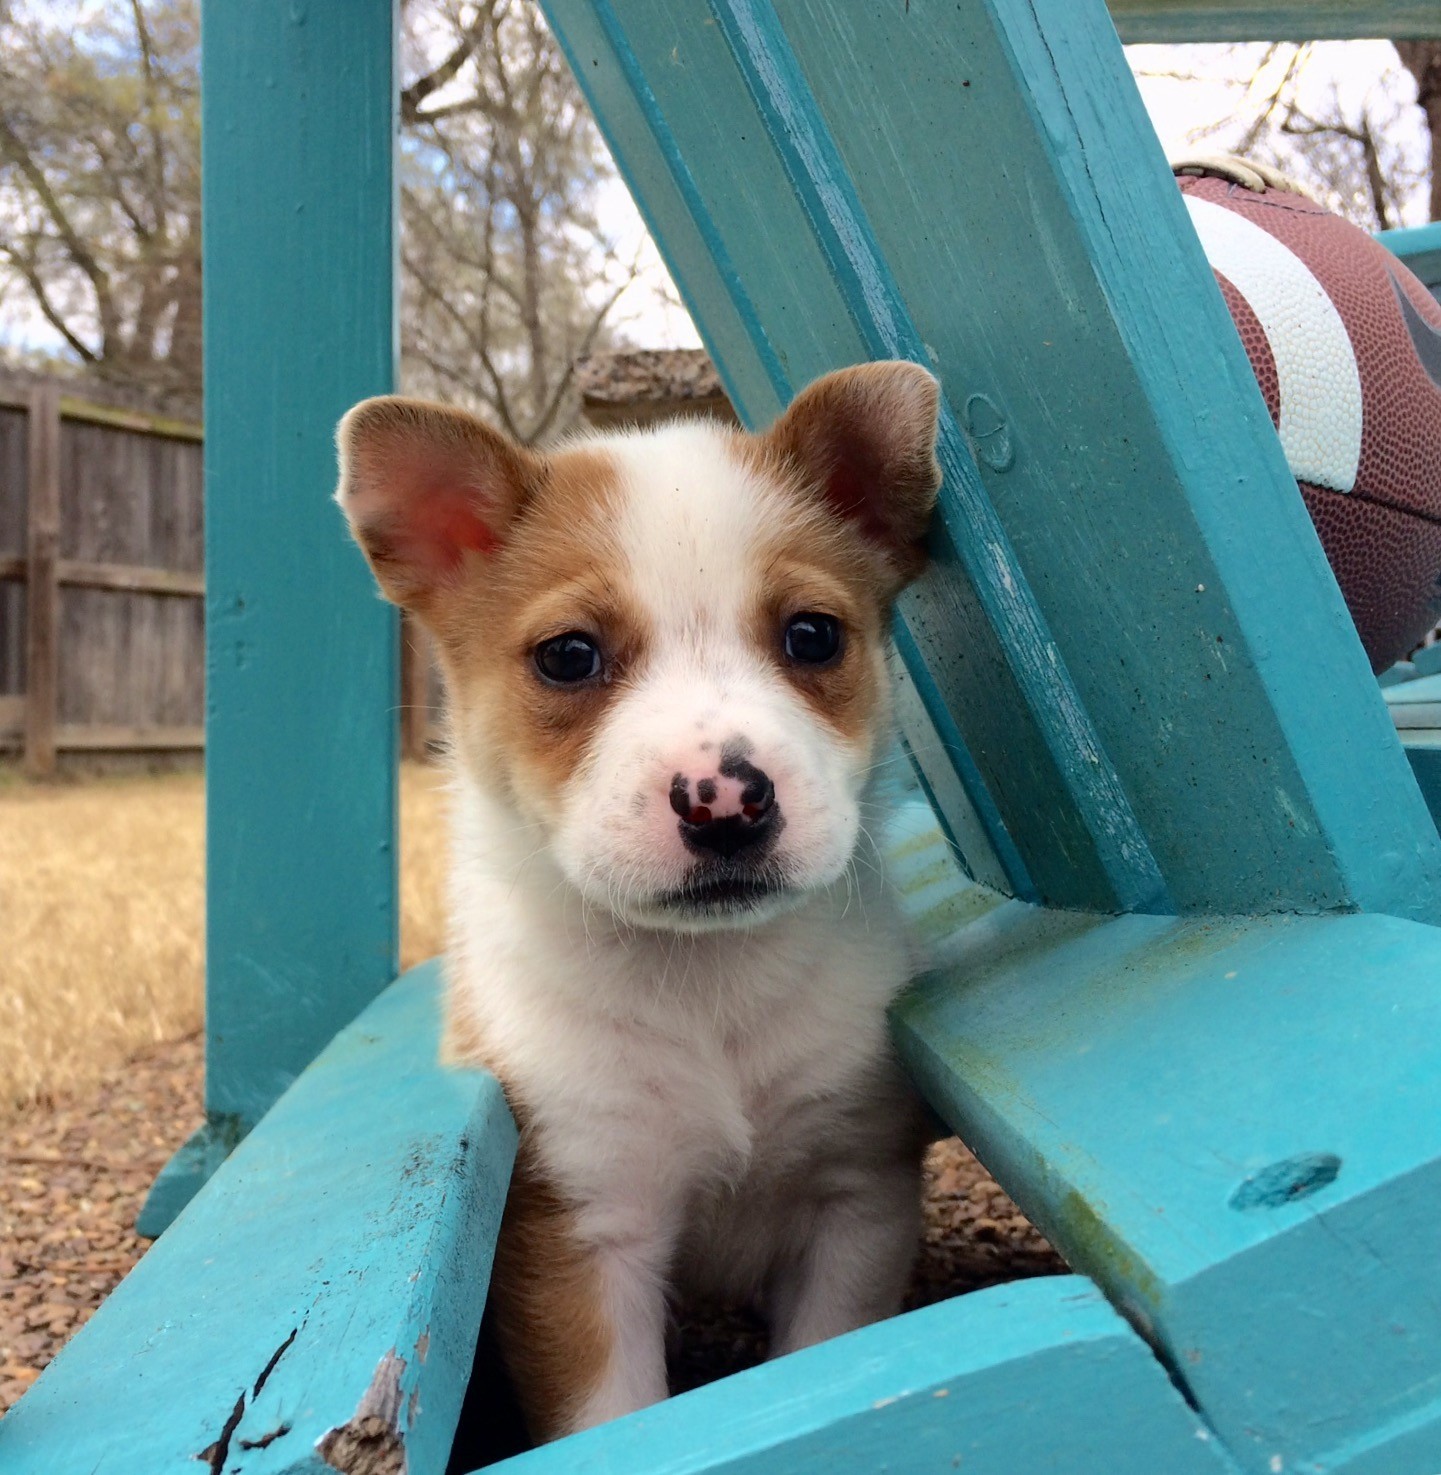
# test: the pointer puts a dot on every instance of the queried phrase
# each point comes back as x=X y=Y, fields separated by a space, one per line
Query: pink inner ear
x=452 y=518
x=442 y=524
x=852 y=490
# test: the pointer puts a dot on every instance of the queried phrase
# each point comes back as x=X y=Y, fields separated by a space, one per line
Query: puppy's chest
x=729 y=1099
x=660 y=1118
x=667 y=1075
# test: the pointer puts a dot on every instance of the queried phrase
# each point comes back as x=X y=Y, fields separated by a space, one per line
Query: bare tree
x=509 y=273
x=100 y=183
x=1355 y=151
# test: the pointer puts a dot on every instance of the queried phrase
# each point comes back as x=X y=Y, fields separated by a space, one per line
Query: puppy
x=665 y=654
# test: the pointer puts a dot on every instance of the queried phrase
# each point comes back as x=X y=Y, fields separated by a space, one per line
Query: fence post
x=42 y=591
x=414 y=689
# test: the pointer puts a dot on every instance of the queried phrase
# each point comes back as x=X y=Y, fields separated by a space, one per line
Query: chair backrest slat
x=1131 y=615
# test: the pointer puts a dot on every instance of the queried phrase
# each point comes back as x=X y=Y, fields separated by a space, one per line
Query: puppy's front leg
x=633 y=1375
x=581 y=1323
x=854 y=1266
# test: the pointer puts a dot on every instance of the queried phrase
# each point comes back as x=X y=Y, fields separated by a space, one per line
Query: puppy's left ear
x=864 y=440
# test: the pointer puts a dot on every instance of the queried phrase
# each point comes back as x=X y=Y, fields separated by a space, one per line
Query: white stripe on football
x=1320 y=384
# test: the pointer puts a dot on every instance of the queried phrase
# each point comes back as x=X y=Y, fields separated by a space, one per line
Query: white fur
x=720 y=1105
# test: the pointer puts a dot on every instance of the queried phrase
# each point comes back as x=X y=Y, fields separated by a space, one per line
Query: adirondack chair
x=1182 y=879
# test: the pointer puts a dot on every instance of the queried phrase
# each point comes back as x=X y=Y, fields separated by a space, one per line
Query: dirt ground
x=101 y=1077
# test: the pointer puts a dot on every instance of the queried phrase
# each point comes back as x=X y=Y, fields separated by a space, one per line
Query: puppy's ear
x=864 y=439
x=426 y=488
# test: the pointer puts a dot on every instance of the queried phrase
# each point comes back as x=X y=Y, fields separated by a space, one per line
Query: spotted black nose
x=728 y=813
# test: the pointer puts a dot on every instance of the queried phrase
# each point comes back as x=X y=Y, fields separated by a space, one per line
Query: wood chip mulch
x=975 y=1236
x=72 y=1179
x=74 y=1175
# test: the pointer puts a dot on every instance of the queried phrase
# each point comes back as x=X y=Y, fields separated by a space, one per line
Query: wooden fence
x=102 y=636
x=102 y=641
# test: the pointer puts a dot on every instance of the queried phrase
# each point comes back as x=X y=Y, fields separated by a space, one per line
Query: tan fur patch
x=560 y=570
x=856 y=453
x=422 y=486
x=544 y=1290
x=550 y=1319
x=462 y=1040
x=818 y=563
x=861 y=442
x=809 y=574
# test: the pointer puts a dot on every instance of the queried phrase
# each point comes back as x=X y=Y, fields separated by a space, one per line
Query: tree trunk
x=185 y=339
x=530 y=315
x=1423 y=60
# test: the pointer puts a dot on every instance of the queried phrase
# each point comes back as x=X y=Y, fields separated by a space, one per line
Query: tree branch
x=557 y=397
x=498 y=399
x=411 y=97
x=26 y=267
x=1298 y=125
x=14 y=150
x=157 y=136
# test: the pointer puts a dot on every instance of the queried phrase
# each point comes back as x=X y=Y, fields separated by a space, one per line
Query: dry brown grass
x=101 y=919
x=422 y=864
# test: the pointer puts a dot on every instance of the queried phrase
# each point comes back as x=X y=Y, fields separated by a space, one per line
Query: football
x=1345 y=343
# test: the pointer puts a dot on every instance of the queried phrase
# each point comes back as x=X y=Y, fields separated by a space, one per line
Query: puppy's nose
x=725 y=814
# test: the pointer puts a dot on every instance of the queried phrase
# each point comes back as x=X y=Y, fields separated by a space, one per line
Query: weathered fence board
x=127 y=569
x=42 y=593
x=105 y=650
x=14 y=448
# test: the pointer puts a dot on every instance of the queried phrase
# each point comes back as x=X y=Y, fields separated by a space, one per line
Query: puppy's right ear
x=427 y=490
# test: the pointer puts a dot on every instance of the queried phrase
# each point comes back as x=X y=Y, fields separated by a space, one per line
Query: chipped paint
x=216 y=1453
x=1294 y=814
x=370 y=1442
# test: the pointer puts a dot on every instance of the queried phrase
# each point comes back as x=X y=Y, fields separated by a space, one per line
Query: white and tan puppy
x=670 y=937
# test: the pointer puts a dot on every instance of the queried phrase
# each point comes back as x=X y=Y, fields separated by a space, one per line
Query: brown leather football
x=1346 y=346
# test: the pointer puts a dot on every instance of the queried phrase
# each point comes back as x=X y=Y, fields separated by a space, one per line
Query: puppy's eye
x=813 y=639
x=568 y=658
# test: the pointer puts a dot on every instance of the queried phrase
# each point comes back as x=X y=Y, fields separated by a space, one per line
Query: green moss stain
x=948 y=916
x=940 y=870
x=927 y=839
x=1080 y=1232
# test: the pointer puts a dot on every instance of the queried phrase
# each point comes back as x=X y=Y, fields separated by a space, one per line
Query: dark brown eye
x=813 y=639
x=568 y=658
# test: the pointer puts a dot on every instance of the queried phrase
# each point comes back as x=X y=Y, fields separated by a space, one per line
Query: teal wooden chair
x=1182 y=880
